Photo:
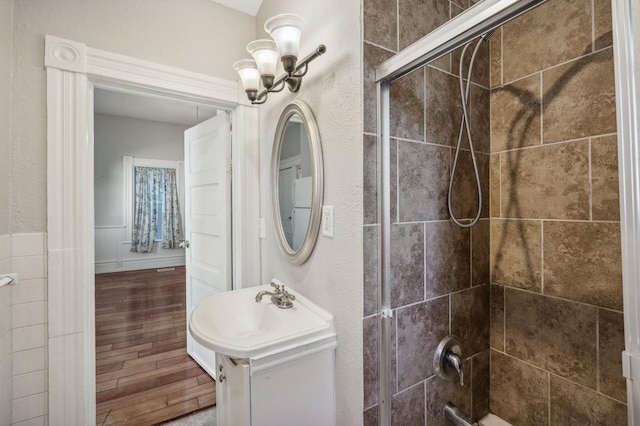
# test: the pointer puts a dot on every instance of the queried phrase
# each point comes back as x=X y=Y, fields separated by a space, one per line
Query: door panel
x=207 y=220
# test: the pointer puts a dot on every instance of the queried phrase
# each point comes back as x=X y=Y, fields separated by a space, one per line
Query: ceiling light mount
x=286 y=31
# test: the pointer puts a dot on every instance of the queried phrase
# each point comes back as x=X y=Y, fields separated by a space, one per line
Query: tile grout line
x=593 y=26
x=500 y=182
x=590 y=181
x=397 y=26
x=504 y=319
x=502 y=55
x=542 y=257
x=424 y=261
x=598 y=350
x=541 y=97
x=548 y=396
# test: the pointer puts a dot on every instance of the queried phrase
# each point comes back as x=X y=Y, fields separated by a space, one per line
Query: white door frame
x=72 y=71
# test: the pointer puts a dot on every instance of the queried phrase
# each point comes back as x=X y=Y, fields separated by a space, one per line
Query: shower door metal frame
x=478 y=20
x=629 y=179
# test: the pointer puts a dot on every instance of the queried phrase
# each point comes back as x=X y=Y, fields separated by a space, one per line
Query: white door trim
x=72 y=71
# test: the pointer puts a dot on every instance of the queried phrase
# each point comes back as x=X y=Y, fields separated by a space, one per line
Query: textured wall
x=191 y=34
x=6 y=335
x=556 y=298
x=552 y=243
x=332 y=277
x=6 y=52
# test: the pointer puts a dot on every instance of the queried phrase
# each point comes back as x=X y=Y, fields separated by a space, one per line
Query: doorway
x=141 y=297
x=71 y=78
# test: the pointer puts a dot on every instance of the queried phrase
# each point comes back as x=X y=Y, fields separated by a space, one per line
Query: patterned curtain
x=171 y=226
x=145 y=218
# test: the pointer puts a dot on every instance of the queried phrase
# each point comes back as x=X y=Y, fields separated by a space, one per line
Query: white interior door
x=207 y=220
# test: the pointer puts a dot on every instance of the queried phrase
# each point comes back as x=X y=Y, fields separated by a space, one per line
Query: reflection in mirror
x=297 y=182
x=294 y=182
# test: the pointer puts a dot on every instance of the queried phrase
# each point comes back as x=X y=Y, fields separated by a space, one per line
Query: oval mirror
x=297 y=182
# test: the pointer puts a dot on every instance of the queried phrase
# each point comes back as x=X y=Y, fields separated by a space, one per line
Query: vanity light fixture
x=286 y=31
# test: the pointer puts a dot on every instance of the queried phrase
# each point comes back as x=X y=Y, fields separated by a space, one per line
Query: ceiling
x=150 y=108
x=250 y=7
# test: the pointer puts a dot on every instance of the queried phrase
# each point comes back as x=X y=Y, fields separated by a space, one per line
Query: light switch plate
x=262 y=231
x=327 y=221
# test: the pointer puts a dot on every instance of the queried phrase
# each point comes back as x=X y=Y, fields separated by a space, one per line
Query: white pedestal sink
x=275 y=366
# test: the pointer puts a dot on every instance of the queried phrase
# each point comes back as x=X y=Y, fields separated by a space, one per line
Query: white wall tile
x=5 y=414
x=27 y=408
x=38 y=421
x=29 y=338
x=26 y=314
x=5 y=266
x=5 y=247
x=6 y=370
x=5 y=397
x=30 y=267
x=29 y=361
x=29 y=291
x=6 y=296
x=5 y=321
x=28 y=244
x=6 y=345
x=29 y=384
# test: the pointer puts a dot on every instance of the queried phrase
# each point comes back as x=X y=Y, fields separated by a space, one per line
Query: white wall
x=6 y=334
x=332 y=277
x=6 y=50
x=116 y=137
x=188 y=34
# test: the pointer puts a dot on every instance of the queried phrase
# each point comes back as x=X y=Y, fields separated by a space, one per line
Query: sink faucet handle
x=278 y=288
x=288 y=295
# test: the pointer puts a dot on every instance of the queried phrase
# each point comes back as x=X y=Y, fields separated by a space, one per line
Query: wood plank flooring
x=143 y=373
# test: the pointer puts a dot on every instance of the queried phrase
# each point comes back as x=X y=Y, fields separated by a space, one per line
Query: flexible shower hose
x=464 y=125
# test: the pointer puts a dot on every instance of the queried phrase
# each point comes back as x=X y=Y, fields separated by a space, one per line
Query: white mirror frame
x=298 y=257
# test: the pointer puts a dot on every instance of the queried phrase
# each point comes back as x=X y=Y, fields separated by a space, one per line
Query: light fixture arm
x=294 y=79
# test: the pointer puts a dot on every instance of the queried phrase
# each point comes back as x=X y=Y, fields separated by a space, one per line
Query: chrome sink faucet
x=280 y=297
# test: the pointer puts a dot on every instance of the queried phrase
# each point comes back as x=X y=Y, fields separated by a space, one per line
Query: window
x=153 y=203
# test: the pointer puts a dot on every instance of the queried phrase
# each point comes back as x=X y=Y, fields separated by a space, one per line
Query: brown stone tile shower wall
x=439 y=272
x=556 y=284
x=542 y=267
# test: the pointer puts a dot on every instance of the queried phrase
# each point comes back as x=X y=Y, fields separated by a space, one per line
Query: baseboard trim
x=136 y=265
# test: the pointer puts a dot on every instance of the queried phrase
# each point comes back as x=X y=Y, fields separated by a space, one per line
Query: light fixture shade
x=286 y=30
x=265 y=53
x=249 y=74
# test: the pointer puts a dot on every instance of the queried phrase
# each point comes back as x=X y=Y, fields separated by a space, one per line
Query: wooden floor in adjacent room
x=143 y=373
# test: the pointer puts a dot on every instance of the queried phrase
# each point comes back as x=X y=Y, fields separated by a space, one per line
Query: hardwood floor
x=143 y=373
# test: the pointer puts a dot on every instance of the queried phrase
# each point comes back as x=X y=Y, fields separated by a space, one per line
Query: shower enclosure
x=534 y=288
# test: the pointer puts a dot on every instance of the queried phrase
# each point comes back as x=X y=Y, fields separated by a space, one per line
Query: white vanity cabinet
x=274 y=366
x=288 y=389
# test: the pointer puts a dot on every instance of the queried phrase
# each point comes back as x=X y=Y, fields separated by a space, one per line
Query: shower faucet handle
x=447 y=360
x=455 y=361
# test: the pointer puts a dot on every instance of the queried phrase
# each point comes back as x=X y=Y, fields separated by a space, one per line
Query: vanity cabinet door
x=233 y=392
